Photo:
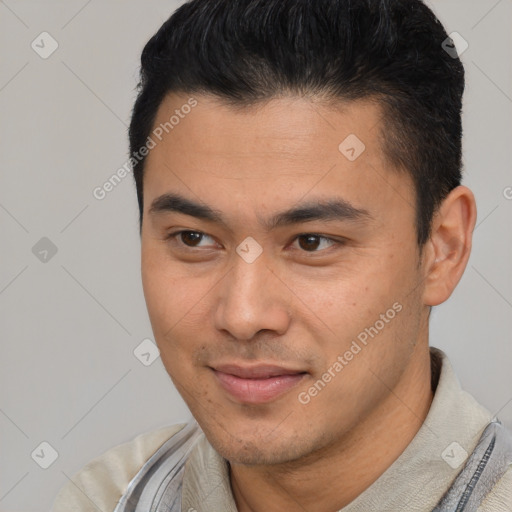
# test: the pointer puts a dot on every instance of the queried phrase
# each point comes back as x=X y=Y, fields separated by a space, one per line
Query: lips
x=255 y=372
x=256 y=384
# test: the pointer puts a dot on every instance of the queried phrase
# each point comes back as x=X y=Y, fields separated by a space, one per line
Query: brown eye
x=191 y=237
x=310 y=242
x=188 y=238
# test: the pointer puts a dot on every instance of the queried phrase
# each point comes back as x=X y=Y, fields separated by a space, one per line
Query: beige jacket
x=415 y=482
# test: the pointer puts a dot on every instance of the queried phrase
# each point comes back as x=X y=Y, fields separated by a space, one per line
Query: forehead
x=290 y=127
x=284 y=148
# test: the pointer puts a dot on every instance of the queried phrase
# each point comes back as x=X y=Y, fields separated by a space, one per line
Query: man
x=298 y=170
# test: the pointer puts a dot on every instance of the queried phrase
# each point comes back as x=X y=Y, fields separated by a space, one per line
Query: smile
x=257 y=384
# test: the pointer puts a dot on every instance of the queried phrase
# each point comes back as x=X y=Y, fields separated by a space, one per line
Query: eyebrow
x=332 y=209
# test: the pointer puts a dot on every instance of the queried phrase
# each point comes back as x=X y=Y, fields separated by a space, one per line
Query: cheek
x=165 y=290
x=178 y=310
x=160 y=293
x=370 y=307
x=345 y=301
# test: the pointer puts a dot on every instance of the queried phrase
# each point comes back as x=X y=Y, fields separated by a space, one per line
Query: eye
x=310 y=242
x=188 y=238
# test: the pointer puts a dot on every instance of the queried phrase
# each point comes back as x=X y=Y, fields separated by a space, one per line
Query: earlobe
x=449 y=245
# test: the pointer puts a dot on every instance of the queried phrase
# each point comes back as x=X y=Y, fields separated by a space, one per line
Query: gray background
x=70 y=324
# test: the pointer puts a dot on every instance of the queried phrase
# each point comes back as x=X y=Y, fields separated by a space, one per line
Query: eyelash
x=174 y=237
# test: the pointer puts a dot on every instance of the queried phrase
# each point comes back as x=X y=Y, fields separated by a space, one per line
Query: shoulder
x=101 y=482
x=500 y=498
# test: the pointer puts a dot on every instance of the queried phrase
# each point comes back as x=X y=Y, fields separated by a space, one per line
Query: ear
x=448 y=249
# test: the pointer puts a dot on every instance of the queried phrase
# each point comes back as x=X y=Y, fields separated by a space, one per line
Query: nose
x=251 y=298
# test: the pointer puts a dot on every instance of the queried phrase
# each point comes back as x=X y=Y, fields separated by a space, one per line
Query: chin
x=256 y=453
x=257 y=446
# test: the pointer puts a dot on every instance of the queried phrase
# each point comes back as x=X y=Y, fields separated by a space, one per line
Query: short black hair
x=250 y=51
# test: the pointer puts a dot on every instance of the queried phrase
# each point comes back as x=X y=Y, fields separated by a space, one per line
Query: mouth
x=256 y=384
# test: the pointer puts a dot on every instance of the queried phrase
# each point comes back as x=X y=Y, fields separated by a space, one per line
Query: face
x=280 y=270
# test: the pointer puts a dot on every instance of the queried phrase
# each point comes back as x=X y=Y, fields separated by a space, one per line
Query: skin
x=298 y=305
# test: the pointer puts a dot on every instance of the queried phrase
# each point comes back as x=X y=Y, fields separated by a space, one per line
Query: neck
x=357 y=460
